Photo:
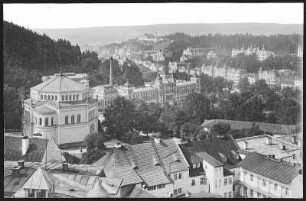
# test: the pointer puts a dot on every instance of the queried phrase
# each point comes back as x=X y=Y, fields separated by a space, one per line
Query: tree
x=95 y=140
x=288 y=112
x=220 y=128
x=190 y=131
x=243 y=84
x=120 y=118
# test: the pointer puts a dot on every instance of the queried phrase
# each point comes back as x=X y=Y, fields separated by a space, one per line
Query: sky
x=40 y=16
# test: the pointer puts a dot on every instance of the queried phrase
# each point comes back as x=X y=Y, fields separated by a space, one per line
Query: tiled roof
x=213 y=147
x=275 y=170
x=59 y=84
x=146 y=162
x=40 y=179
x=138 y=192
x=266 y=127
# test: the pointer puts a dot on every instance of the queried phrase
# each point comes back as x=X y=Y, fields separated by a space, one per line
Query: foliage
x=95 y=140
x=92 y=155
x=71 y=158
x=220 y=128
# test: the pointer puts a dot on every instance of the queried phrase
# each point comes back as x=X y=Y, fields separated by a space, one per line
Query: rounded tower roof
x=98 y=191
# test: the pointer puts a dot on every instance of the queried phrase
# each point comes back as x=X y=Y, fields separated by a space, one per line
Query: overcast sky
x=35 y=16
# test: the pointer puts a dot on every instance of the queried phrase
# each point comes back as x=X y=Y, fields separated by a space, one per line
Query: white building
x=263 y=176
x=172 y=67
x=60 y=108
x=269 y=76
x=261 y=54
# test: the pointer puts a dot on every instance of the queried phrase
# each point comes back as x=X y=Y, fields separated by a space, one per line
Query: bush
x=71 y=158
x=94 y=140
x=92 y=155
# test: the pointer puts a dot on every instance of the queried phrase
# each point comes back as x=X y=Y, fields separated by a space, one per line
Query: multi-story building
x=269 y=76
x=165 y=88
x=227 y=73
x=60 y=108
x=191 y=52
x=216 y=159
x=300 y=51
x=263 y=176
x=261 y=54
x=172 y=67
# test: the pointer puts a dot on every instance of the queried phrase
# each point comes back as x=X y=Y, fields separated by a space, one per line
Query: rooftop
x=258 y=144
x=270 y=168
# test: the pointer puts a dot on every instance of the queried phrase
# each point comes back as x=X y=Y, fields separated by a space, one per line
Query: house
x=263 y=176
x=217 y=158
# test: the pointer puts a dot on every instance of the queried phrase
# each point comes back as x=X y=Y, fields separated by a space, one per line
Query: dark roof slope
x=213 y=147
x=273 y=169
x=13 y=152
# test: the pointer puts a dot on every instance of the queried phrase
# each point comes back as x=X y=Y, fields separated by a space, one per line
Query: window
x=41 y=97
x=66 y=97
x=251 y=177
x=48 y=97
x=36 y=120
x=79 y=118
x=287 y=191
x=225 y=195
x=229 y=194
x=225 y=182
x=230 y=181
x=45 y=97
x=275 y=187
x=77 y=96
x=72 y=119
x=52 y=123
x=52 y=97
x=193 y=182
x=219 y=182
x=198 y=165
x=216 y=183
x=55 y=97
x=263 y=182
x=179 y=190
x=175 y=176
x=258 y=194
x=251 y=192
x=73 y=96
x=203 y=181
x=175 y=191
x=69 y=97
x=180 y=176
x=46 y=121
x=40 y=121
x=63 y=98
x=66 y=119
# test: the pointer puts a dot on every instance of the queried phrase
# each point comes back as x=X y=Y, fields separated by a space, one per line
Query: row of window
x=177 y=191
x=203 y=181
x=150 y=188
x=227 y=181
x=177 y=176
x=46 y=97
x=39 y=121
x=228 y=195
x=72 y=119
x=264 y=182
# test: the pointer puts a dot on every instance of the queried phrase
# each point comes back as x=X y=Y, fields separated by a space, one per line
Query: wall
x=163 y=192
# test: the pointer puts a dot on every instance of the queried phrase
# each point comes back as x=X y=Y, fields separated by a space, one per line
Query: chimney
x=21 y=164
x=111 y=71
x=245 y=145
x=25 y=145
x=268 y=140
x=65 y=166
x=16 y=171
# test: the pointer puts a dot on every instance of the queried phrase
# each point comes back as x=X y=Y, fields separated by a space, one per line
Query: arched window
x=46 y=121
x=48 y=97
x=73 y=96
x=79 y=118
x=41 y=97
x=72 y=119
x=52 y=123
x=40 y=121
x=66 y=97
x=69 y=97
x=55 y=97
x=77 y=96
x=45 y=97
x=92 y=128
x=52 y=97
x=63 y=98
x=66 y=119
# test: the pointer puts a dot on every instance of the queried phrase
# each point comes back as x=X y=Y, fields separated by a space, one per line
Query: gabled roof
x=209 y=159
x=40 y=180
x=44 y=110
x=213 y=147
x=59 y=83
x=273 y=169
x=138 y=192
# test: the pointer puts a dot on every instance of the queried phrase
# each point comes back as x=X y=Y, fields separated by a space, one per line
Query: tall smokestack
x=111 y=71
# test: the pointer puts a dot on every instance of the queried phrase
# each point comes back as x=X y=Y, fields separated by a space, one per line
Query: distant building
x=62 y=109
x=261 y=54
x=211 y=54
x=300 y=51
x=263 y=176
x=191 y=53
x=172 y=67
x=269 y=76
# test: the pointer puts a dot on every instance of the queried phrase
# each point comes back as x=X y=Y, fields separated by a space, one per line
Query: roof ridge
x=48 y=83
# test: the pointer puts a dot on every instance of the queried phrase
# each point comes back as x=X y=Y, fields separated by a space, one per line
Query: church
x=60 y=108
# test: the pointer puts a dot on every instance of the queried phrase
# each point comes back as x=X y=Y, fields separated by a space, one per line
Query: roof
x=138 y=192
x=13 y=145
x=204 y=194
x=40 y=180
x=97 y=191
x=44 y=110
x=258 y=144
x=59 y=83
x=209 y=150
x=266 y=167
x=147 y=162
x=266 y=127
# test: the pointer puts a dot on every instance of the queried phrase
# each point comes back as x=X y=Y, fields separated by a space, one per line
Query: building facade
x=62 y=109
x=261 y=54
